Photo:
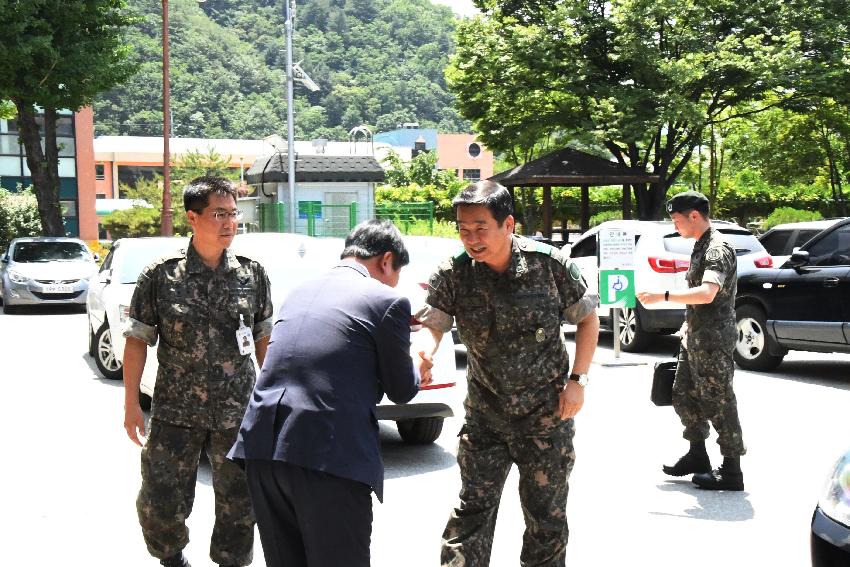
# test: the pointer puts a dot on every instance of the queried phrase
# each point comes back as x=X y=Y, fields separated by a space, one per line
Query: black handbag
x=662 y=383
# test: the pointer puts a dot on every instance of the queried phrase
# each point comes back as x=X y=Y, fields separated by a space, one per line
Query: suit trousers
x=308 y=518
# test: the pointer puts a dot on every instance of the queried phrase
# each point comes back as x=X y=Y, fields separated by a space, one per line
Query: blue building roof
x=405 y=137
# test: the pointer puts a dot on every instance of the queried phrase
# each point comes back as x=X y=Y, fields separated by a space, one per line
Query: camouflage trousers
x=485 y=458
x=702 y=393
x=169 y=471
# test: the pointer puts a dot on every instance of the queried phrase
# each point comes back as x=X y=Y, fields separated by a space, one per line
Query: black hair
x=196 y=195
x=375 y=238
x=490 y=194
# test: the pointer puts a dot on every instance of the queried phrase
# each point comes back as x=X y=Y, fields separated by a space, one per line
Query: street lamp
x=167 y=221
x=294 y=73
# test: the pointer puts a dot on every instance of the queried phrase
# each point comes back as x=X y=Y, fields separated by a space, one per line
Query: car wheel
x=145 y=401
x=420 y=430
x=109 y=366
x=751 y=347
x=632 y=337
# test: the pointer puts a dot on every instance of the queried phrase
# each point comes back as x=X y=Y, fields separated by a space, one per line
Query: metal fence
x=328 y=220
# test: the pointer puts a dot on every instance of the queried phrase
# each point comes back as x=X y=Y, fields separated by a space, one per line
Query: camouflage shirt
x=511 y=326
x=712 y=325
x=202 y=380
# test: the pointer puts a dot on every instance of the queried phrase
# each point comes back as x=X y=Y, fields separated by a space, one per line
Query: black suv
x=804 y=305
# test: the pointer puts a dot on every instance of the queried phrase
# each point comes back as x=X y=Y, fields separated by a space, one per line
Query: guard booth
x=332 y=194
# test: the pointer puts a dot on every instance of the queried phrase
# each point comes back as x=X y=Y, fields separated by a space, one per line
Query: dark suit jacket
x=338 y=341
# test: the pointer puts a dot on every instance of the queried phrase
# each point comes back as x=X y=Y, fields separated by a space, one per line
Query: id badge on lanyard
x=244 y=338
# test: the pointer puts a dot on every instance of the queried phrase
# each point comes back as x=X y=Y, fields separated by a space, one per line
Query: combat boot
x=694 y=461
x=727 y=477
x=177 y=560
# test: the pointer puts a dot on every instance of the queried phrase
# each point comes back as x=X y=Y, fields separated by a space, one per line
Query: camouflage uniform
x=702 y=391
x=517 y=367
x=202 y=388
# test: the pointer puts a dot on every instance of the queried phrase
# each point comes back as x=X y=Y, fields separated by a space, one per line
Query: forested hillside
x=378 y=62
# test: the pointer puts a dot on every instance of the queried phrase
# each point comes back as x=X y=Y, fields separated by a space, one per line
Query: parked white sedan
x=110 y=292
x=289 y=259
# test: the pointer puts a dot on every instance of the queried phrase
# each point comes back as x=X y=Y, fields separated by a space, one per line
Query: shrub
x=784 y=215
x=599 y=218
x=18 y=216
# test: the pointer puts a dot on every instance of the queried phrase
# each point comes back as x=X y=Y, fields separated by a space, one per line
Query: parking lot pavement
x=70 y=475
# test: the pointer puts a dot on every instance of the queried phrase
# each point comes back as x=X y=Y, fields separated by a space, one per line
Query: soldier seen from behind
x=702 y=390
x=210 y=309
x=509 y=295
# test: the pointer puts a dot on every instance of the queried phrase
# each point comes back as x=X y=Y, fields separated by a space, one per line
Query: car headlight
x=17 y=277
x=835 y=500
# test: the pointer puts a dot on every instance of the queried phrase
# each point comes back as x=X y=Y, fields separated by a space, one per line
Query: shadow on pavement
x=96 y=375
x=401 y=459
x=50 y=309
x=717 y=506
x=828 y=373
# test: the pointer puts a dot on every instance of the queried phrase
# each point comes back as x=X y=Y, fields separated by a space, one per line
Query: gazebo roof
x=311 y=168
x=571 y=167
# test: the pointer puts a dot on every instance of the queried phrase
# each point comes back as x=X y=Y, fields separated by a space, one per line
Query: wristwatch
x=582 y=379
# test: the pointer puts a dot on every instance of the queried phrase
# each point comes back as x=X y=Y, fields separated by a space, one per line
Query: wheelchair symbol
x=618 y=285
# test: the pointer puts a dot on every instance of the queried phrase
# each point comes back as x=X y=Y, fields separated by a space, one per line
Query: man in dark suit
x=309 y=438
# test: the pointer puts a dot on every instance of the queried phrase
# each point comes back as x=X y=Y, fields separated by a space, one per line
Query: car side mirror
x=798 y=258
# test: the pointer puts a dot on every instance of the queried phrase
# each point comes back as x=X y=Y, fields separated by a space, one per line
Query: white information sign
x=616 y=249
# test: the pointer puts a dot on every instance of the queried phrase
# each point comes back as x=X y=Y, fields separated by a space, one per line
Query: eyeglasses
x=221 y=216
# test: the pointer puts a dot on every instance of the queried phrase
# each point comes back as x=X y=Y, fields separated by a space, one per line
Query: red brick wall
x=84 y=129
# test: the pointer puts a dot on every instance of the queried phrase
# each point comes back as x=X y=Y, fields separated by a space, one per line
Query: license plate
x=56 y=288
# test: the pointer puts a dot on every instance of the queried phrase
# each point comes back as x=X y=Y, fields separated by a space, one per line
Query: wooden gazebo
x=573 y=168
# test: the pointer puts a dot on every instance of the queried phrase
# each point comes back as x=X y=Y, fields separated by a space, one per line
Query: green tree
x=194 y=164
x=419 y=180
x=57 y=55
x=642 y=78
x=144 y=218
x=371 y=58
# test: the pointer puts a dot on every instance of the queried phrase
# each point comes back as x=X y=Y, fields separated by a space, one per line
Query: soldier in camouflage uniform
x=195 y=302
x=702 y=391
x=509 y=295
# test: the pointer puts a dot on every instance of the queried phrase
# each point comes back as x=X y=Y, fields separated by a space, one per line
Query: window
x=776 y=241
x=474 y=150
x=100 y=196
x=99 y=172
x=472 y=174
x=47 y=251
x=585 y=248
x=9 y=145
x=69 y=208
x=67 y=147
x=804 y=236
x=833 y=249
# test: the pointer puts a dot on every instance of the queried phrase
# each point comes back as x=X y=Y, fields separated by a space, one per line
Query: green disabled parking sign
x=617 y=288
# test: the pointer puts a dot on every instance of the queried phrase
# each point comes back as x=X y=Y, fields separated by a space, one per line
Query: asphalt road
x=70 y=476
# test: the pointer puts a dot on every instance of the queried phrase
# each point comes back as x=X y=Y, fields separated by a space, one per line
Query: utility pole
x=290 y=120
x=166 y=226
